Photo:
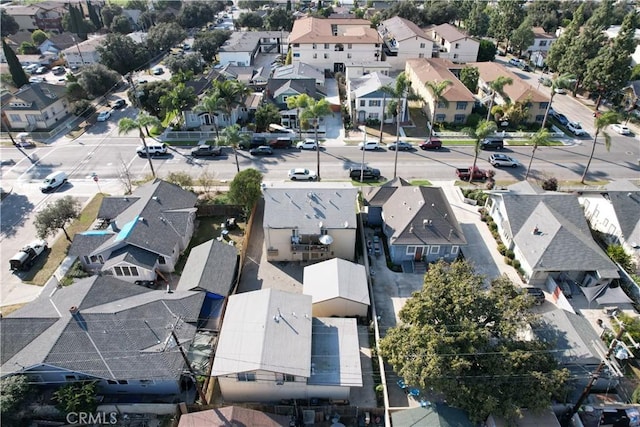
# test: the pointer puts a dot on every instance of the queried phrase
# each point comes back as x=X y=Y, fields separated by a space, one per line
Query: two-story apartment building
x=542 y=41
x=243 y=46
x=460 y=99
x=404 y=40
x=519 y=91
x=367 y=101
x=46 y=16
x=36 y=106
x=452 y=44
x=329 y=44
x=84 y=53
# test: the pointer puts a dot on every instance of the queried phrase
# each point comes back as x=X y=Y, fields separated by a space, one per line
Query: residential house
x=404 y=40
x=525 y=417
x=14 y=41
x=550 y=237
x=434 y=415
x=542 y=41
x=36 y=106
x=279 y=90
x=47 y=59
x=103 y=329
x=46 y=16
x=329 y=44
x=211 y=267
x=631 y=99
x=232 y=416
x=367 y=100
x=359 y=69
x=519 y=91
x=615 y=213
x=451 y=43
x=143 y=233
x=255 y=78
x=56 y=43
x=338 y=288
x=271 y=348
x=417 y=222
x=309 y=223
x=84 y=53
x=300 y=70
x=243 y=46
x=459 y=99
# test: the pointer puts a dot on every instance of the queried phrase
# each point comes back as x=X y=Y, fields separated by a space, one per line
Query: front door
x=418 y=256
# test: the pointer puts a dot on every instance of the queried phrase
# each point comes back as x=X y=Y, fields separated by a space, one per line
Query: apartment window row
x=433 y=250
x=326 y=46
x=125 y=271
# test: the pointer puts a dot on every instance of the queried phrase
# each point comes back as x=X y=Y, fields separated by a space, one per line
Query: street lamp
x=364 y=144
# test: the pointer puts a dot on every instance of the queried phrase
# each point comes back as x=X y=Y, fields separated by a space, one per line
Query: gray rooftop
x=370 y=84
x=299 y=70
x=35 y=96
x=402 y=29
x=248 y=41
x=307 y=207
x=211 y=266
x=626 y=204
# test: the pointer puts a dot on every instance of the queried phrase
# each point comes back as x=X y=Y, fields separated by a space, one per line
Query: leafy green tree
x=232 y=94
x=289 y=59
x=297 y=102
x=212 y=105
x=267 y=114
x=140 y=5
x=477 y=23
x=245 y=189
x=181 y=179
x=497 y=87
x=96 y=79
x=55 y=216
x=14 y=391
x=120 y=53
x=180 y=98
x=121 y=25
x=463 y=341
x=601 y=122
x=564 y=81
x=561 y=46
x=618 y=254
x=143 y=120
x=109 y=11
x=469 y=77
x=185 y=63
x=147 y=19
x=438 y=12
x=17 y=73
x=478 y=133
x=93 y=15
x=249 y=20
x=8 y=24
x=403 y=9
x=437 y=89
x=76 y=397
x=28 y=48
x=163 y=36
x=505 y=18
x=82 y=108
x=608 y=73
x=147 y=96
x=486 y=51
x=542 y=137
x=544 y=14
x=74 y=22
x=197 y=13
x=311 y=113
x=279 y=19
x=75 y=92
x=250 y=4
x=522 y=37
x=208 y=43
x=39 y=37
x=232 y=137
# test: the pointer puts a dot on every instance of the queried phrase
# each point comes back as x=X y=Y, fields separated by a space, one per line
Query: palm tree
x=481 y=131
x=297 y=102
x=601 y=122
x=211 y=105
x=542 y=137
x=312 y=111
x=561 y=82
x=231 y=136
x=232 y=94
x=437 y=90
x=143 y=120
x=497 y=86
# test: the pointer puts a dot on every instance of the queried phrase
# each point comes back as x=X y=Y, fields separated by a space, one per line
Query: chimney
x=536 y=230
x=74 y=310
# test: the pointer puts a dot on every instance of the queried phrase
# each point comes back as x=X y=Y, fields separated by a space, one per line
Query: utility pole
x=594 y=376
x=186 y=361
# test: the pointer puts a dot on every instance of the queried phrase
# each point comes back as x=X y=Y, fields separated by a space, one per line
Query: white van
x=53 y=181
x=155 y=149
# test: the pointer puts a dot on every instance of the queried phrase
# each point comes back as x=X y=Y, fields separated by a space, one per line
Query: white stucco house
x=451 y=43
x=84 y=53
x=404 y=40
x=359 y=69
x=272 y=348
x=243 y=46
x=542 y=41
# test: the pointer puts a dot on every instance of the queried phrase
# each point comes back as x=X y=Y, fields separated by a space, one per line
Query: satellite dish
x=325 y=239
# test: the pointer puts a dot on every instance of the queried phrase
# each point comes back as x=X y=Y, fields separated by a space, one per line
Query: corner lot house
x=451 y=43
x=144 y=233
x=329 y=44
x=271 y=348
x=36 y=106
x=309 y=223
x=550 y=237
x=460 y=99
x=105 y=330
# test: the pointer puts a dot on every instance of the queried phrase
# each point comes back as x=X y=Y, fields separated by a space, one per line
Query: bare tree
x=206 y=181
x=124 y=176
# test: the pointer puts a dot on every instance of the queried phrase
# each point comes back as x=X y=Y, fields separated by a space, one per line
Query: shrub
x=492 y=225
x=82 y=108
x=516 y=264
x=473 y=119
x=181 y=179
x=502 y=249
x=617 y=253
x=507 y=260
x=372 y=122
x=495 y=234
x=490 y=183
x=550 y=184
x=509 y=254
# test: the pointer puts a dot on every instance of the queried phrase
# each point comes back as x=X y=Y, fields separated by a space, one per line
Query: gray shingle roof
x=307 y=207
x=247 y=41
x=84 y=244
x=370 y=84
x=298 y=70
x=111 y=207
x=626 y=204
x=211 y=266
x=403 y=29
x=132 y=255
x=377 y=196
x=120 y=331
x=277 y=87
x=35 y=96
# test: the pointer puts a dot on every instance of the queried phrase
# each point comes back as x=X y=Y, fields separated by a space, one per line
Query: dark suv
x=255 y=142
x=491 y=144
x=536 y=294
x=369 y=174
x=206 y=150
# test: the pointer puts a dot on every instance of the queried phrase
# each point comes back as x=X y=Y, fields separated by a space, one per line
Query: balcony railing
x=302 y=247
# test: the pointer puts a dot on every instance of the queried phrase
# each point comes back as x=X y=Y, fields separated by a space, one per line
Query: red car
x=431 y=144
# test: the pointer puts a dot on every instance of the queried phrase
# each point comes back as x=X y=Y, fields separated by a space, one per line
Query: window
x=374 y=116
x=411 y=250
x=112 y=382
x=461 y=105
x=326 y=56
x=375 y=103
x=161 y=260
x=289 y=378
x=605 y=222
x=326 y=45
x=435 y=249
x=315 y=56
x=455 y=56
x=363 y=103
x=315 y=46
x=349 y=46
x=284 y=98
x=296 y=45
x=543 y=43
x=296 y=55
x=15 y=117
x=123 y=382
x=117 y=271
x=455 y=249
x=134 y=271
x=422 y=45
x=441 y=104
x=421 y=55
x=126 y=271
x=543 y=105
x=101 y=259
x=539 y=118
x=459 y=118
x=349 y=55
x=86 y=260
x=440 y=118
x=93 y=259
x=246 y=376
x=457 y=45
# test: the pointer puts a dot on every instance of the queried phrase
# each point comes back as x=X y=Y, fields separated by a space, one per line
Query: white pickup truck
x=26 y=256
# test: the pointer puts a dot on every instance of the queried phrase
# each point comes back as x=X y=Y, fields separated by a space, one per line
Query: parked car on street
x=370 y=146
x=206 y=151
x=300 y=174
x=431 y=144
x=502 y=160
x=576 y=129
x=491 y=144
x=103 y=116
x=158 y=71
x=119 y=104
x=561 y=118
x=58 y=70
x=368 y=174
x=514 y=61
x=307 y=144
x=621 y=129
x=402 y=146
x=263 y=150
x=154 y=149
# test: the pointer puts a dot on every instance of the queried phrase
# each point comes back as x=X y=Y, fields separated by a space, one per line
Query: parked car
x=154 y=149
x=31 y=68
x=41 y=70
x=514 y=61
x=300 y=174
x=53 y=181
x=23 y=141
x=491 y=144
x=368 y=174
x=546 y=81
x=475 y=173
x=263 y=150
x=401 y=145
x=500 y=160
x=621 y=129
x=307 y=144
x=26 y=257
x=576 y=129
x=431 y=144
x=524 y=67
x=103 y=116
x=119 y=104
x=370 y=146
x=158 y=71
x=255 y=142
x=281 y=142
x=206 y=150
x=561 y=118
x=58 y=70
x=560 y=90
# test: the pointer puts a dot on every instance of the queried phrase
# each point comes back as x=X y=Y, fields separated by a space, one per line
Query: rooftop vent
x=73 y=309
